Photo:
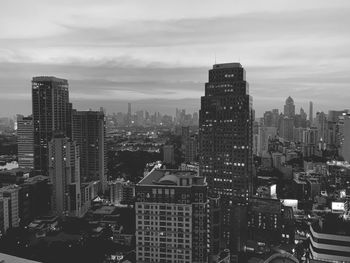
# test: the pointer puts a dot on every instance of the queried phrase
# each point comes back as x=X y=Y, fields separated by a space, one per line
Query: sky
x=156 y=53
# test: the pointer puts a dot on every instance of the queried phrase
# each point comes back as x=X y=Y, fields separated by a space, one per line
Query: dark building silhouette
x=51 y=113
x=225 y=135
x=289 y=108
x=89 y=132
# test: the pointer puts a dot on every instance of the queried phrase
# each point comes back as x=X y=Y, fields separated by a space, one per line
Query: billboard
x=293 y=203
x=338 y=207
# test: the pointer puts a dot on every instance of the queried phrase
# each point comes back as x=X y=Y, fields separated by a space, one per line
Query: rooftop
x=333 y=224
x=173 y=177
x=227 y=65
x=49 y=79
x=12 y=259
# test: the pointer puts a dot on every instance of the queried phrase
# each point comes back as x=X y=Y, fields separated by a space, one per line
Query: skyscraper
x=25 y=141
x=64 y=171
x=51 y=113
x=89 y=132
x=289 y=108
x=311 y=112
x=225 y=148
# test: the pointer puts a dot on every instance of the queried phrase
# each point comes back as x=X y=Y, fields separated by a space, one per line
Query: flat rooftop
x=333 y=224
x=12 y=259
x=172 y=178
x=227 y=65
x=49 y=79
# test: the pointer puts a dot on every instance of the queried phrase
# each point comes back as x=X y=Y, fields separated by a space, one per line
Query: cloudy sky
x=156 y=53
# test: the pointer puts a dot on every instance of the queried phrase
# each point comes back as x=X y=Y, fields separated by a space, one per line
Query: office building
x=345 y=138
x=269 y=222
x=168 y=154
x=226 y=145
x=265 y=134
x=10 y=197
x=25 y=141
x=89 y=133
x=191 y=150
x=121 y=191
x=171 y=217
x=64 y=171
x=51 y=113
x=311 y=112
x=289 y=108
x=286 y=128
x=34 y=199
x=5 y=212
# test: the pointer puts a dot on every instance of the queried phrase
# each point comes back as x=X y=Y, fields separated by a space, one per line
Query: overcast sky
x=156 y=54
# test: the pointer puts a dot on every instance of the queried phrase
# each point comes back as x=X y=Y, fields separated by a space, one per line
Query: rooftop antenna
x=215 y=58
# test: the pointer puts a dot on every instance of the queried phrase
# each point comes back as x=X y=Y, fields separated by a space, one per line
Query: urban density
x=135 y=133
x=220 y=185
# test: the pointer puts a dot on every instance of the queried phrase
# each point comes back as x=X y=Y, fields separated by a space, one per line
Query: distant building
x=168 y=154
x=64 y=171
x=171 y=217
x=345 y=143
x=25 y=141
x=191 y=149
x=289 y=108
x=89 y=132
x=51 y=113
x=311 y=112
x=121 y=191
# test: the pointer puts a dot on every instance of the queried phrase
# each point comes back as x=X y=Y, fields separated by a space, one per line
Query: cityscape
x=217 y=173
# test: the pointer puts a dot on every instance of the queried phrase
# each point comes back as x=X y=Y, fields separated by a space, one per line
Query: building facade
x=226 y=145
x=25 y=141
x=51 y=113
x=89 y=132
x=64 y=171
x=171 y=217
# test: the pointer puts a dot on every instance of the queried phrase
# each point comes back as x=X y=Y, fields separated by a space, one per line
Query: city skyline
x=157 y=53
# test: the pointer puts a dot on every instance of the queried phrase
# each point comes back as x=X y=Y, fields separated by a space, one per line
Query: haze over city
x=156 y=54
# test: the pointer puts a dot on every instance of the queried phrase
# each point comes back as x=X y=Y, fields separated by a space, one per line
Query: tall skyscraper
x=89 y=132
x=226 y=142
x=25 y=141
x=311 y=112
x=51 y=113
x=171 y=217
x=64 y=171
x=289 y=108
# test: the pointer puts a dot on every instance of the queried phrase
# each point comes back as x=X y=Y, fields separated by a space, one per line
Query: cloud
x=161 y=50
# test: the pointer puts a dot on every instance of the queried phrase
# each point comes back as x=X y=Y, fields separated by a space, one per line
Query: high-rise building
x=171 y=217
x=311 y=112
x=9 y=195
x=286 y=128
x=64 y=171
x=225 y=145
x=168 y=154
x=25 y=141
x=345 y=142
x=268 y=119
x=89 y=133
x=289 y=108
x=51 y=113
x=321 y=125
